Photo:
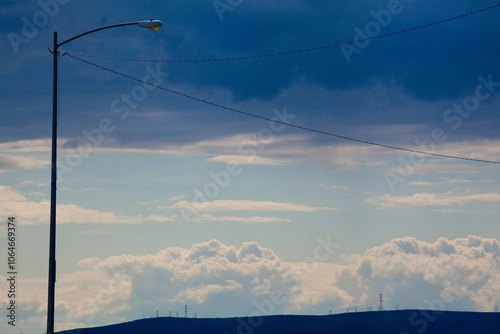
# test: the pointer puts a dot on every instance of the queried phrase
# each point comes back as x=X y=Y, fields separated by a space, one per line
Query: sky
x=261 y=206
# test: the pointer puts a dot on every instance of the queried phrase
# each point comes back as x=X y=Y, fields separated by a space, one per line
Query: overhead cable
x=293 y=51
x=392 y=147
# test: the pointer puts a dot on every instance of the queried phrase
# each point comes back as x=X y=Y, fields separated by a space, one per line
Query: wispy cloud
x=431 y=199
x=463 y=211
x=248 y=160
x=13 y=203
x=246 y=149
x=335 y=186
x=10 y=163
x=257 y=219
x=26 y=146
x=434 y=168
x=447 y=181
x=244 y=205
x=160 y=219
x=34 y=183
x=95 y=232
x=303 y=148
x=88 y=189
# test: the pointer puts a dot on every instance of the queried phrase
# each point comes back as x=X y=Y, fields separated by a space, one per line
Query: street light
x=151 y=24
x=154 y=25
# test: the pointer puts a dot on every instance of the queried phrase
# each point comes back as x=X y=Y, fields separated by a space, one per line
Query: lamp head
x=154 y=25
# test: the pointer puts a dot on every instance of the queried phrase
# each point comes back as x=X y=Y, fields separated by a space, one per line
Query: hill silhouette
x=376 y=322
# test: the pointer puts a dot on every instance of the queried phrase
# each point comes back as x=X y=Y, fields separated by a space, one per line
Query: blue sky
x=165 y=201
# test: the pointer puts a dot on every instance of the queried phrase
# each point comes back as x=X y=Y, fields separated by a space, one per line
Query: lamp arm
x=102 y=28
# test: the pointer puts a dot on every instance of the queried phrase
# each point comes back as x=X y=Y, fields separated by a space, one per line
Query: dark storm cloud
x=435 y=65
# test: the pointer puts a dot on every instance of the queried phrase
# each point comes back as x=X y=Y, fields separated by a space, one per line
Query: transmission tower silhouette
x=381 y=302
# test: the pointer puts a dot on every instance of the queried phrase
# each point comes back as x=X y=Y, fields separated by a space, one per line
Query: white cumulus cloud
x=216 y=280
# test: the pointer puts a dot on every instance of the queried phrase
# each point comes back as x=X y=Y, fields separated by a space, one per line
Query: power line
x=293 y=51
x=284 y=123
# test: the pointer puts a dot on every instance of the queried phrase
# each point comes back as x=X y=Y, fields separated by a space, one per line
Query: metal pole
x=52 y=242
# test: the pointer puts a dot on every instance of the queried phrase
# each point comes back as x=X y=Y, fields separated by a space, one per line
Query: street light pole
x=151 y=24
x=53 y=180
